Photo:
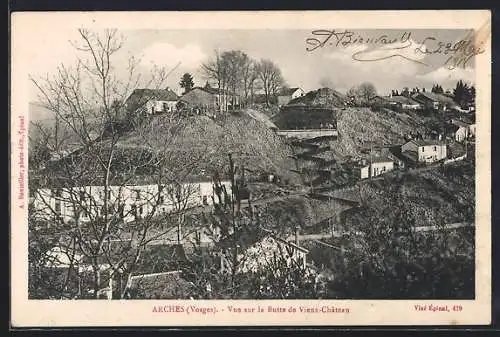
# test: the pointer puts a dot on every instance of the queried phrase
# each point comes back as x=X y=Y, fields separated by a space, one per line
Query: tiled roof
x=215 y=91
x=402 y=100
x=288 y=91
x=141 y=95
x=380 y=160
x=434 y=97
x=167 y=285
x=412 y=155
x=427 y=142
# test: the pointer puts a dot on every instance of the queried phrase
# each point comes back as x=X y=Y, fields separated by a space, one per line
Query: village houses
x=209 y=99
x=375 y=167
x=424 y=151
x=435 y=101
x=132 y=201
x=460 y=130
x=405 y=103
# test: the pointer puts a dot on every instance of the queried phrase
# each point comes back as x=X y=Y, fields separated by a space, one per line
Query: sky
x=331 y=65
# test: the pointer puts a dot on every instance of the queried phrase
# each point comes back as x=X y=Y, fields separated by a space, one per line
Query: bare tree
x=216 y=69
x=271 y=78
x=104 y=195
x=249 y=76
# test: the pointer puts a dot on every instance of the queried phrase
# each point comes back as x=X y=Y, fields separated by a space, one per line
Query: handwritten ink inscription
x=458 y=53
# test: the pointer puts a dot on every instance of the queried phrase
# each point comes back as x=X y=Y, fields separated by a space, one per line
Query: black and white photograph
x=188 y=164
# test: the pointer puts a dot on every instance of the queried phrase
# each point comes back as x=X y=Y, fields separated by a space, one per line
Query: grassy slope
x=429 y=196
x=250 y=142
x=360 y=127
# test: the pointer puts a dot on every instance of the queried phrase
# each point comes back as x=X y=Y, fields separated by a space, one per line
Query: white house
x=472 y=130
x=463 y=130
x=458 y=133
x=376 y=166
x=405 y=102
x=207 y=98
x=152 y=101
x=265 y=249
x=128 y=202
x=427 y=151
x=287 y=94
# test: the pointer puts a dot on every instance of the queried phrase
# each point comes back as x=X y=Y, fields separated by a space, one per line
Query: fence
x=453 y=160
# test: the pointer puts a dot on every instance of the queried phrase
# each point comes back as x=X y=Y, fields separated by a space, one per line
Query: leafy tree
x=362 y=94
x=405 y=92
x=387 y=258
x=437 y=89
x=463 y=94
x=367 y=92
x=186 y=82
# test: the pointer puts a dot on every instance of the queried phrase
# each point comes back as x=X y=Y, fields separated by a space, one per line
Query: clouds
x=448 y=77
x=388 y=67
x=168 y=55
x=50 y=50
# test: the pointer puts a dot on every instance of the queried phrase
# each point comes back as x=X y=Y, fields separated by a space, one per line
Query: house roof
x=434 y=97
x=452 y=127
x=427 y=142
x=412 y=155
x=402 y=100
x=460 y=123
x=166 y=285
x=140 y=96
x=288 y=91
x=203 y=96
x=383 y=159
x=214 y=91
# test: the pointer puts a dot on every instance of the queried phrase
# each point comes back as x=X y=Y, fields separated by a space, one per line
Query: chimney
x=297 y=233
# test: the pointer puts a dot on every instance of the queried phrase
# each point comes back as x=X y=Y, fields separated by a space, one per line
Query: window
x=58 y=207
x=205 y=201
x=82 y=195
x=435 y=148
x=140 y=210
x=423 y=149
x=137 y=194
x=121 y=209
x=133 y=210
x=56 y=192
x=165 y=107
x=161 y=199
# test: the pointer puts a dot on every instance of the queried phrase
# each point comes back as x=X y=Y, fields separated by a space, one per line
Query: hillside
x=360 y=128
x=427 y=197
x=202 y=145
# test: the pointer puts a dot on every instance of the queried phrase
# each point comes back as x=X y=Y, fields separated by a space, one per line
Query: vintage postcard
x=250 y=168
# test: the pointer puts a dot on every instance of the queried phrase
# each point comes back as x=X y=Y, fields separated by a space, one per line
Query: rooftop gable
x=427 y=142
x=288 y=91
x=140 y=96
